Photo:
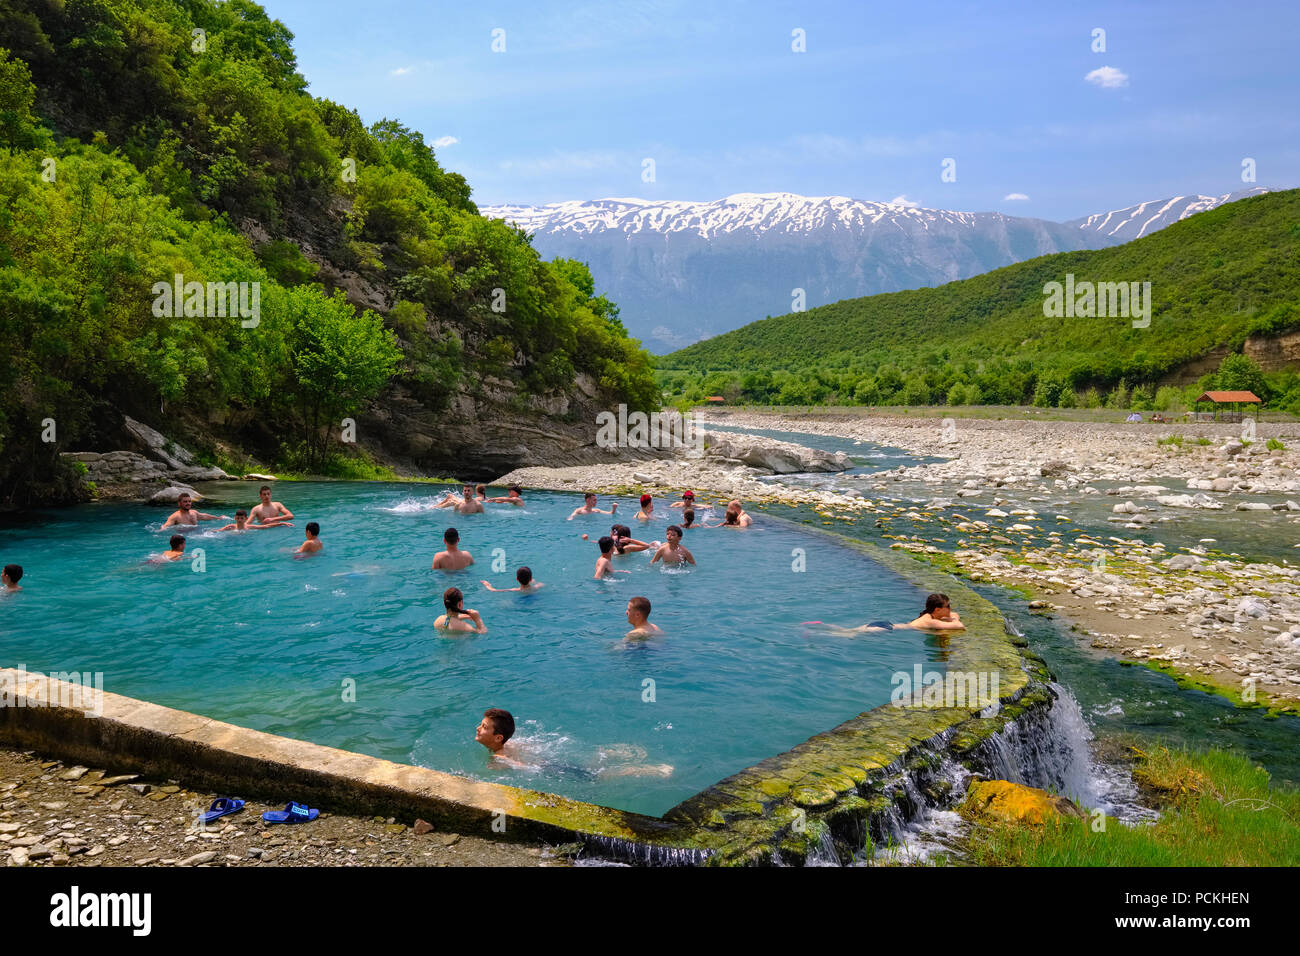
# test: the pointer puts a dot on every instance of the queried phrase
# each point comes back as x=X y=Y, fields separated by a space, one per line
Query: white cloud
x=1108 y=78
x=400 y=71
x=903 y=201
x=1015 y=196
x=442 y=141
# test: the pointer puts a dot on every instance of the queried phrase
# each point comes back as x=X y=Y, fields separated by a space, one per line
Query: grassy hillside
x=144 y=138
x=1216 y=278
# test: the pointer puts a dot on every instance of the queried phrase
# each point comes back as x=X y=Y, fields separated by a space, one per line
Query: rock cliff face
x=1273 y=353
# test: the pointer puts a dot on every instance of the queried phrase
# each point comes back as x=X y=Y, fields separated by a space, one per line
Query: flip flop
x=292 y=813
x=222 y=806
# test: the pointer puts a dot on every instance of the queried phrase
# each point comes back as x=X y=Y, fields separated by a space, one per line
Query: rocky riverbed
x=1225 y=622
x=57 y=814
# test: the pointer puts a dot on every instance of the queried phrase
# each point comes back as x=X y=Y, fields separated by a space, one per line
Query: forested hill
x=144 y=139
x=1216 y=279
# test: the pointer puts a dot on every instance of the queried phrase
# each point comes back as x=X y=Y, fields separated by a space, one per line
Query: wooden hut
x=1230 y=404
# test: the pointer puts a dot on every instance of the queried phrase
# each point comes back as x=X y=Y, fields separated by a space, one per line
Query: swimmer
x=515 y=497
x=458 y=617
x=480 y=492
x=452 y=559
x=313 y=542
x=638 y=615
x=241 y=523
x=267 y=511
x=177 y=548
x=604 y=566
x=647 y=508
x=624 y=543
x=938 y=615
x=186 y=515
x=589 y=507
x=526 y=583
x=468 y=505
x=688 y=500
x=10 y=576
x=493 y=731
x=688 y=518
x=672 y=552
x=741 y=517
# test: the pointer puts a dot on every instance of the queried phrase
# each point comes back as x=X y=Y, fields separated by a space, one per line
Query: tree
x=1238 y=372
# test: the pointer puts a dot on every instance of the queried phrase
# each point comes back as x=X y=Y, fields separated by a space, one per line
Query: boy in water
x=496 y=727
x=589 y=507
x=525 y=578
x=638 y=615
x=186 y=515
x=177 y=548
x=452 y=559
x=604 y=566
x=10 y=576
x=241 y=523
x=515 y=497
x=672 y=551
x=268 y=512
x=313 y=542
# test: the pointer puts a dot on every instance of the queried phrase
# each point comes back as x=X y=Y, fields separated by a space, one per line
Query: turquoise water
x=265 y=640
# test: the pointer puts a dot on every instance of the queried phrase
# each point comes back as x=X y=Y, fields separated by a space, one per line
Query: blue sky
x=712 y=91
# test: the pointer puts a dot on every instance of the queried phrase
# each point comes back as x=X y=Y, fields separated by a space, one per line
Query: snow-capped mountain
x=683 y=271
x=1134 y=222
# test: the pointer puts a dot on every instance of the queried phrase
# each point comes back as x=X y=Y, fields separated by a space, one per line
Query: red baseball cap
x=688 y=494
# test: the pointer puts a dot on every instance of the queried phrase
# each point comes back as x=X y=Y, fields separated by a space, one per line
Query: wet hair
x=452 y=600
x=731 y=517
x=503 y=722
x=621 y=531
x=645 y=500
x=588 y=494
x=241 y=513
x=524 y=575
x=14 y=572
x=674 y=527
x=313 y=527
x=263 y=488
x=606 y=544
x=517 y=489
x=184 y=494
x=689 y=515
x=451 y=536
x=641 y=605
x=177 y=542
x=480 y=489
x=935 y=601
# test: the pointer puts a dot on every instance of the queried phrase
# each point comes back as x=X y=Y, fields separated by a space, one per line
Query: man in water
x=313 y=542
x=267 y=511
x=498 y=726
x=186 y=515
x=672 y=552
x=515 y=497
x=638 y=615
x=589 y=507
x=177 y=551
x=938 y=615
x=741 y=516
x=525 y=578
x=452 y=559
x=10 y=576
x=469 y=505
x=241 y=523
x=688 y=500
x=605 y=566
x=647 y=508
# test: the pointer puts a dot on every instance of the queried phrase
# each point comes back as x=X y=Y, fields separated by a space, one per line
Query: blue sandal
x=292 y=813
x=222 y=806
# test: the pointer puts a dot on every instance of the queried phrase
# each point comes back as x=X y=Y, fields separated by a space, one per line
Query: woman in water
x=458 y=617
x=624 y=543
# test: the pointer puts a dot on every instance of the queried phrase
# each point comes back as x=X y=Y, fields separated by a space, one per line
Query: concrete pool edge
x=778 y=807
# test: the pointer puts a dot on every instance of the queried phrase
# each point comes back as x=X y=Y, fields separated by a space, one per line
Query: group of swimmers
x=266 y=514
